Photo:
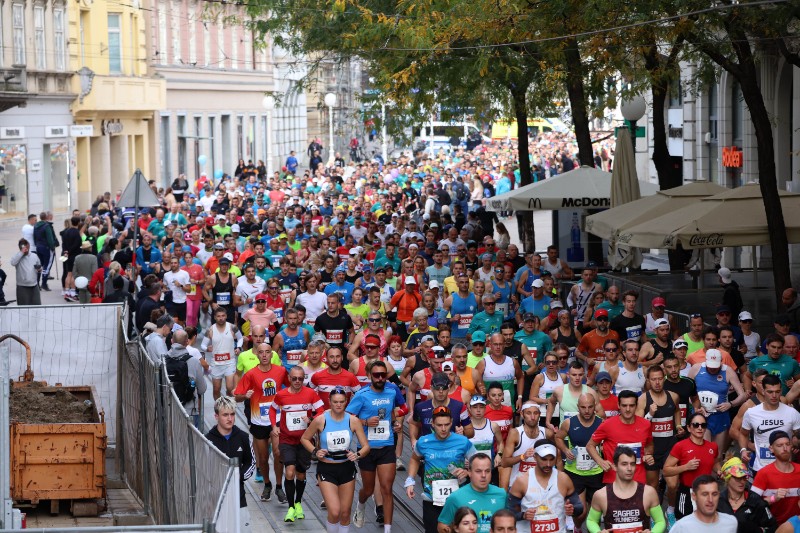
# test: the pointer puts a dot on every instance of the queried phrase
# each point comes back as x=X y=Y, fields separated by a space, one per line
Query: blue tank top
x=579 y=436
x=292 y=352
x=712 y=389
x=466 y=307
x=505 y=298
x=336 y=437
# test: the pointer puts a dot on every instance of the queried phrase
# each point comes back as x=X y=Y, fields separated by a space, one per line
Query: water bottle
x=192 y=383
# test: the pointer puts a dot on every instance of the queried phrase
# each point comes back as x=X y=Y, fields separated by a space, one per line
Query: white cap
x=713 y=358
x=353 y=251
x=228 y=256
x=538 y=283
x=724 y=274
x=661 y=322
x=220 y=217
x=745 y=315
x=409 y=281
x=556 y=304
x=433 y=284
x=543 y=450
x=235 y=228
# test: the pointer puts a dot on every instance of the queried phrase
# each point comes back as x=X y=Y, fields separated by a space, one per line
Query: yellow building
x=117 y=95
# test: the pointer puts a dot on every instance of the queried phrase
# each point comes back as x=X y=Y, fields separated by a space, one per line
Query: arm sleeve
x=659 y=523
x=514 y=504
x=593 y=521
x=576 y=502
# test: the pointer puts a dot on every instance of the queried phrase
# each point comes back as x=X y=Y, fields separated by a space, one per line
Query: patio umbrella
x=607 y=223
x=735 y=217
x=582 y=188
x=624 y=189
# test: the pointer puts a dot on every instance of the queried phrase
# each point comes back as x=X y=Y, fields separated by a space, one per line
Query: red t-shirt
x=612 y=432
x=266 y=386
x=502 y=416
x=610 y=405
x=685 y=450
x=769 y=479
x=324 y=382
x=294 y=406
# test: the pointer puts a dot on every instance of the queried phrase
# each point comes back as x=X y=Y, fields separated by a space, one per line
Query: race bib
x=276 y=261
x=311 y=322
x=295 y=422
x=263 y=411
x=464 y=321
x=684 y=409
x=507 y=398
x=286 y=295
x=338 y=441
x=708 y=400
x=502 y=309
x=222 y=358
x=569 y=414
x=637 y=449
x=765 y=455
x=545 y=524
x=441 y=489
x=583 y=461
x=524 y=466
x=632 y=527
x=379 y=432
x=193 y=290
x=334 y=336
x=293 y=357
x=633 y=332
x=279 y=315
x=663 y=427
x=223 y=298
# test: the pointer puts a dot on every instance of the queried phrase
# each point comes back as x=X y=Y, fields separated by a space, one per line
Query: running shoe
x=280 y=494
x=379 y=514
x=298 y=511
x=290 y=516
x=670 y=519
x=266 y=494
x=323 y=505
x=399 y=465
x=259 y=478
x=358 y=518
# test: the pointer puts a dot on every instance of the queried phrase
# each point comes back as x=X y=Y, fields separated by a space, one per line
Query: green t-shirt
x=693 y=345
x=485 y=504
x=361 y=310
x=473 y=360
x=538 y=341
x=247 y=361
x=613 y=310
x=785 y=368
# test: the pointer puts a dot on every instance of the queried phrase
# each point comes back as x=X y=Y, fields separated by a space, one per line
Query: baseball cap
x=228 y=256
x=433 y=284
x=601 y=312
x=782 y=319
x=556 y=304
x=723 y=309
x=661 y=322
x=537 y=283
x=427 y=338
x=366 y=268
x=220 y=217
x=679 y=343
x=438 y=351
x=733 y=467
x=713 y=358
x=412 y=245
x=479 y=337
x=409 y=280
x=209 y=220
x=477 y=400
x=440 y=379
x=658 y=301
x=235 y=228
x=224 y=261
x=543 y=450
x=261 y=296
x=745 y=315
x=528 y=316
x=724 y=274
x=603 y=376
x=775 y=435
x=447 y=366
x=219 y=246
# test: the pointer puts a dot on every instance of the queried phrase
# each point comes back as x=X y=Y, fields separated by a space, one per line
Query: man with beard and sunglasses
x=334 y=376
x=380 y=408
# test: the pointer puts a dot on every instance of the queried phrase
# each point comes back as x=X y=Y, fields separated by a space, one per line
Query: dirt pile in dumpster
x=35 y=404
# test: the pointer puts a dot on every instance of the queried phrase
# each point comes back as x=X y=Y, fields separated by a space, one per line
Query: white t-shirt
x=763 y=423
x=725 y=523
x=206 y=201
x=752 y=342
x=246 y=290
x=194 y=352
x=182 y=277
x=315 y=305
x=358 y=233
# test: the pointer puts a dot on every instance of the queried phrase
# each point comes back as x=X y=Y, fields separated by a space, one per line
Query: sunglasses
x=601 y=319
x=338 y=390
x=273 y=288
x=696 y=425
x=261 y=301
x=695 y=315
x=440 y=387
x=296 y=378
x=609 y=350
x=379 y=375
x=486 y=304
x=440 y=410
x=374 y=319
x=746 y=321
x=551 y=362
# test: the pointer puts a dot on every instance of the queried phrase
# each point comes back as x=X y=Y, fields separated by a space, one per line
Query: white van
x=437 y=135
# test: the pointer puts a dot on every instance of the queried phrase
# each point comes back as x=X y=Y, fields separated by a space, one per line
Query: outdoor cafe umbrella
x=582 y=188
x=607 y=223
x=624 y=189
x=735 y=217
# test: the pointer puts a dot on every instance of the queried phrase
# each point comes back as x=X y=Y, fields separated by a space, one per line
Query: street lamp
x=633 y=109
x=269 y=105
x=330 y=101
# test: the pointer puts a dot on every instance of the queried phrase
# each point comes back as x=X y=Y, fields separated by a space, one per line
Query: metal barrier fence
x=180 y=477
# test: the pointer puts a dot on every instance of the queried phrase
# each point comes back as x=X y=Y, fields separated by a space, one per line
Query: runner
x=626 y=505
x=334 y=377
x=478 y=494
x=503 y=416
x=591 y=348
x=313 y=362
x=505 y=370
x=335 y=324
x=684 y=387
x=292 y=341
x=544 y=384
x=222 y=345
x=608 y=401
x=629 y=374
x=658 y=348
x=518 y=452
x=335 y=431
x=421 y=420
x=705 y=518
x=565 y=397
x=751 y=510
x=488 y=438
x=779 y=482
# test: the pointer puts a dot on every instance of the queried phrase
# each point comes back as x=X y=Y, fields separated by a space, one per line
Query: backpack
x=461 y=193
x=178 y=372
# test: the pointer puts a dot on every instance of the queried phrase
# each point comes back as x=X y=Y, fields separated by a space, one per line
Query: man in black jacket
x=234 y=442
x=45 y=242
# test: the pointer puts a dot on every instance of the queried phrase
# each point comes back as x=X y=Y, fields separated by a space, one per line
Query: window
x=181 y=144
x=206 y=44
x=248 y=48
x=59 y=39
x=175 y=31
x=162 y=32
x=85 y=34
x=18 y=23
x=234 y=45
x=166 y=172
x=134 y=29
x=38 y=33
x=713 y=145
x=675 y=97
x=192 y=33
x=114 y=44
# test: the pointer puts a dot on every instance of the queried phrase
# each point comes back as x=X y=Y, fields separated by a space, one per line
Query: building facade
x=36 y=149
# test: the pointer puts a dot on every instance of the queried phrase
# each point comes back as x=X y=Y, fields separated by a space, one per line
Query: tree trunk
x=577 y=102
x=527 y=233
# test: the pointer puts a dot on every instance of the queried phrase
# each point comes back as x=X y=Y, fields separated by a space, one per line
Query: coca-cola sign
x=707 y=241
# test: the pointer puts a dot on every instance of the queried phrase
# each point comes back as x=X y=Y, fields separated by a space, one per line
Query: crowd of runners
x=359 y=309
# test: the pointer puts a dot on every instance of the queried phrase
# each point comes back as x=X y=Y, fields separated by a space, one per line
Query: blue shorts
x=718 y=422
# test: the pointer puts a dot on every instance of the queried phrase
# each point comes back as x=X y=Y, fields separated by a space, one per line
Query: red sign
x=731 y=157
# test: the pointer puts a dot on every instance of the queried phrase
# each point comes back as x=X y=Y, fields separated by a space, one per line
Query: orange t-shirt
x=265 y=386
x=592 y=344
x=406 y=304
x=700 y=357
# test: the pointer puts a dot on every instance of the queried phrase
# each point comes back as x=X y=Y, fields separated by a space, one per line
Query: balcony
x=13 y=87
x=117 y=94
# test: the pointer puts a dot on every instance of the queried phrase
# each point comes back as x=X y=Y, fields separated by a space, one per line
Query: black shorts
x=260 y=432
x=295 y=455
x=178 y=310
x=377 y=457
x=336 y=473
x=590 y=484
x=683 y=502
x=660 y=457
